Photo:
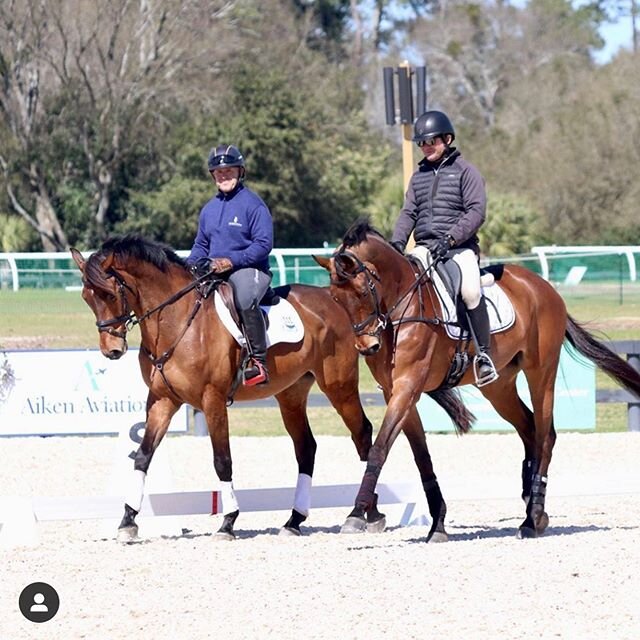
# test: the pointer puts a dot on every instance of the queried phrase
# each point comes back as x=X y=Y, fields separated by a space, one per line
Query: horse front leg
x=159 y=414
x=365 y=515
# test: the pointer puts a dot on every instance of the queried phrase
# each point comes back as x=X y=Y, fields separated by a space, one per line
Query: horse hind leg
x=415 y=435
x=504 y=397
x=293 y=409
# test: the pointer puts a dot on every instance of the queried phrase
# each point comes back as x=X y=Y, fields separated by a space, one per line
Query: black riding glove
x=442 y=246
x=398 y=246
x=201 y=267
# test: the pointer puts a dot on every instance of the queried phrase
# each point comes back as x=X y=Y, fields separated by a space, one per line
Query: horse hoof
x=289 y=532
x=128 y=534
x=354 y=524
x=227 y=536
x=543 y=523
x=377 y=526
x=437 y=536
x=526 y=533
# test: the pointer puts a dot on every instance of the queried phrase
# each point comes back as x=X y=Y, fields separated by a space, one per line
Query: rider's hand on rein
x=220 y=265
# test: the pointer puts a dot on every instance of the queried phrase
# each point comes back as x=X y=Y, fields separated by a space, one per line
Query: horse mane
x=358 y=231
x=129 y=246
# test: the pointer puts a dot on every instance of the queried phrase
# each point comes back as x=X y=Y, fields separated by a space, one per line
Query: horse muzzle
x=114 y=352
x=368 y=348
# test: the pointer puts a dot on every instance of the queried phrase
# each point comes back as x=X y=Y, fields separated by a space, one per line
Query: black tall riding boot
x=256 y=370
x=484 y=368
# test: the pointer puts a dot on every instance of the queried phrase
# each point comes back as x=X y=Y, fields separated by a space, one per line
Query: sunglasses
x=429 y=142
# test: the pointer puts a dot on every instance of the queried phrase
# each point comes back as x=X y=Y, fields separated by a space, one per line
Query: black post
x=421 y=90
x=405 y=95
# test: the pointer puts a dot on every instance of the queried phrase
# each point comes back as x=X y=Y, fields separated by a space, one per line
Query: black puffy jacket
x=447 y=197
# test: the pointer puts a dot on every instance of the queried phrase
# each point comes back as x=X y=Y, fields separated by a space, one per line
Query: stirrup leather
x=484 y=370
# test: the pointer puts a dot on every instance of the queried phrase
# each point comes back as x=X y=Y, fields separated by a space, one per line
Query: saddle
x=282 y=321
x=446 y=278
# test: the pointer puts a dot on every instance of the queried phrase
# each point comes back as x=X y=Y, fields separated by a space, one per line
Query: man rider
x=444 y=207
x=235 y=237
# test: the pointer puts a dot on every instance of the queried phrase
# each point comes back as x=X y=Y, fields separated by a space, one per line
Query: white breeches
x=470 y=271
x=470 y=286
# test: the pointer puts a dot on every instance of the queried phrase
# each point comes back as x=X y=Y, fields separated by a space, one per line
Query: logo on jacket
x=235 y=223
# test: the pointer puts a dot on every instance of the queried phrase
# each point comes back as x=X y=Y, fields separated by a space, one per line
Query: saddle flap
x=225 y=291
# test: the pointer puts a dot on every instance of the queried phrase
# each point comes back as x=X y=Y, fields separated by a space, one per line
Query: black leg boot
x=255 y=331
x=483 y=365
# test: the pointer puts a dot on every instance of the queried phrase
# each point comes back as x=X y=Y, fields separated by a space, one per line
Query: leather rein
x=383 y=319
x=129 y=319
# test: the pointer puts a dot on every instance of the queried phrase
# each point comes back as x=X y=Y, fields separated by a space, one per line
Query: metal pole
x=620 y=272
x=407 y=160
x=633 y=408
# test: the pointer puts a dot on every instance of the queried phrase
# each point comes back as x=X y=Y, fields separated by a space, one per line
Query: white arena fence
x=561 y=265
x=53 y=270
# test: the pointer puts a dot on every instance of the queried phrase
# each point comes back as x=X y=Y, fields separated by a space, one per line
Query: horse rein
x=360 y=327
x=129 y=319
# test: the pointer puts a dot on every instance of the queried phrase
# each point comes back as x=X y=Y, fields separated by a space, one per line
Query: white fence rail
x=24 y=269
x=554 y=263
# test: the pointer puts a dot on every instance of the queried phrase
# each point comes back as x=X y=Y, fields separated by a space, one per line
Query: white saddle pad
x=283 y=322
x=501 y=312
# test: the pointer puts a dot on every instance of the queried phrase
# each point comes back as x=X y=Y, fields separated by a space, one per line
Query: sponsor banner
x=574 y=407
x=72 y=392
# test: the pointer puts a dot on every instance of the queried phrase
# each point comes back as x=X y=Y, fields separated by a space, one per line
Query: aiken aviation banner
x=72 y=392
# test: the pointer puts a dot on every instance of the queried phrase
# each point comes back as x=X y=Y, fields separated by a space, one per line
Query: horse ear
x=107 y=263
x=345 y=264
x=323 y=261
x=78 y=259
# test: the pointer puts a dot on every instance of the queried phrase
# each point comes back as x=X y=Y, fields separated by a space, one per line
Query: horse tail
x=451 y=402
x=603 y=357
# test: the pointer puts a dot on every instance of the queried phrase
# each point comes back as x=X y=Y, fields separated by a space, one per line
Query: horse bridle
x=127 y=318
x=130 y=320
x=360 y=328
x=376 y=314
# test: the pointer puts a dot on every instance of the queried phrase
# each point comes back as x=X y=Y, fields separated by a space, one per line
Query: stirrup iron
x=490 y=375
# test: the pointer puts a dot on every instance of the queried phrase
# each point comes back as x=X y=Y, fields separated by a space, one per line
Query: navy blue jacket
x=237 y=226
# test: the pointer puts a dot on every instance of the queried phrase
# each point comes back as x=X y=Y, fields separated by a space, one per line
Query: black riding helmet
x=225 y=155
x=431 y=124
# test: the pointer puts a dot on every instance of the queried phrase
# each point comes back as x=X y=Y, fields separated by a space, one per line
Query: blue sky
x=616 y=36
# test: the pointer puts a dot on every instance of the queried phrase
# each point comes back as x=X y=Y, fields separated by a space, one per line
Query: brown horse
x=187 y=356
x=390 y=301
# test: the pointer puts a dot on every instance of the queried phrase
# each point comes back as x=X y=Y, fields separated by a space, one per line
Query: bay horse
x=188 y=356
x=398 y=325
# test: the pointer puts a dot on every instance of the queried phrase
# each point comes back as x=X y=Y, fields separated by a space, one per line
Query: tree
x=112 y=69
x=24 y=40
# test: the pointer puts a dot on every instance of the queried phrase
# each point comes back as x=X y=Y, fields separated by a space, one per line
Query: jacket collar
x=228 y=196
x=448 y=157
